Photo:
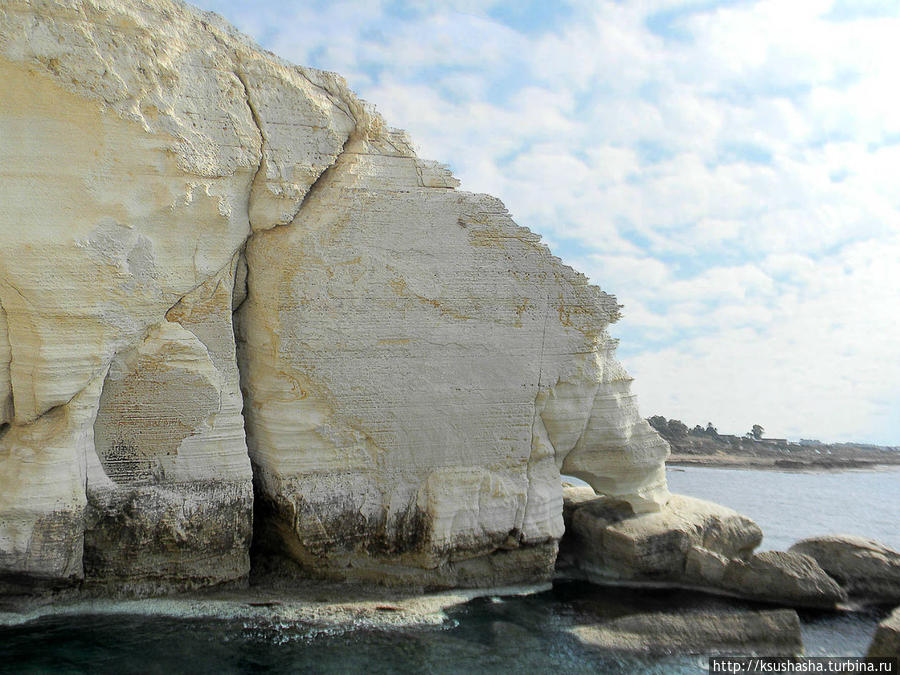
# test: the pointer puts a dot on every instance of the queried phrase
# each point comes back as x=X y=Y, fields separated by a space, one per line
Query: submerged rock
x=886 y=642
x=865 y=569
x=765 y=633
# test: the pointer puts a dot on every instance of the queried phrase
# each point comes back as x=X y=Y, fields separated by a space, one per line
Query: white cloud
x=820 y=359
x=728 y=172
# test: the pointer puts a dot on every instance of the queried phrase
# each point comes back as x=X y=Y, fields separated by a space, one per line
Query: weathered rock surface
x=886 y=642
x=416 y=369
x=44 y=468
x=401 y=398
x=606 y=539
x=864 y=568
x=689 y=542
x=784 y=578
x=763 y=633
x=172 y=503
x=128 y=152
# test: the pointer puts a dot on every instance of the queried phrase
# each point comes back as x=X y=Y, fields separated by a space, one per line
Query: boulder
x=783 y=578
x=704 y=567
x=886 y=642
x=607 y=541
x=765 y=633
x=866 y=569
x=688 y=542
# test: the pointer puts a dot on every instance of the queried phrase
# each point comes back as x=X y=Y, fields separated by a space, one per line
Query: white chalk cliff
x=234 y=304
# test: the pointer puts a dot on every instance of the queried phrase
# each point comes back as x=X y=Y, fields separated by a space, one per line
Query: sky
x=727 y=168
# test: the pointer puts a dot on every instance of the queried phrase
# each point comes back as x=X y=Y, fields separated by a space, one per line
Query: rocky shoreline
x=702 y=548
x=605 y=619
x=698 y=545
x=721 y=461
x=317 y=603
x=268 y=351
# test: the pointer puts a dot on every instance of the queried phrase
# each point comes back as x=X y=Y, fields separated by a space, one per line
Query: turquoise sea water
x=513 y=635
x=488 y=635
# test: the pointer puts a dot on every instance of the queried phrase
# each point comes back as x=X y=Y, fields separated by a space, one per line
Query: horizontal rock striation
x=233 y=300
x=417 y=369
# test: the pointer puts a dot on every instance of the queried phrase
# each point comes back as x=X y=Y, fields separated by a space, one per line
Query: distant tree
x=677 y=429
x=697 y=430
x=659 y=423
x=757 y=431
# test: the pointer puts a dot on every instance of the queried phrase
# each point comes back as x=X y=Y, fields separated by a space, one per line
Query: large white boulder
x=688 y=543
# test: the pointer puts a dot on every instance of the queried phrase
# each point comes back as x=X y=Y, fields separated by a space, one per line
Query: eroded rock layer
x=171 y=504
x=416 y=369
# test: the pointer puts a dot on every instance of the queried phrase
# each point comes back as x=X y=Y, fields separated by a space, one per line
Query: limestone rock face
x=416 y=369
x=866 y=569
x=128 y=152
x=43 y=469
x=172 y=503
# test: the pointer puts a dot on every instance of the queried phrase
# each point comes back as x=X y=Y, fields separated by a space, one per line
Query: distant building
x=809 y=441
x=783 y=442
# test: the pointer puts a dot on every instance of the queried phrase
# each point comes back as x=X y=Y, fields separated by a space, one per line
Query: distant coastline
x=705 y=446
x=766 y=464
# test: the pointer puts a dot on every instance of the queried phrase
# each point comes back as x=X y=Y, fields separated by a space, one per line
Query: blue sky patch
x=532 y=16
x=730 y=152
